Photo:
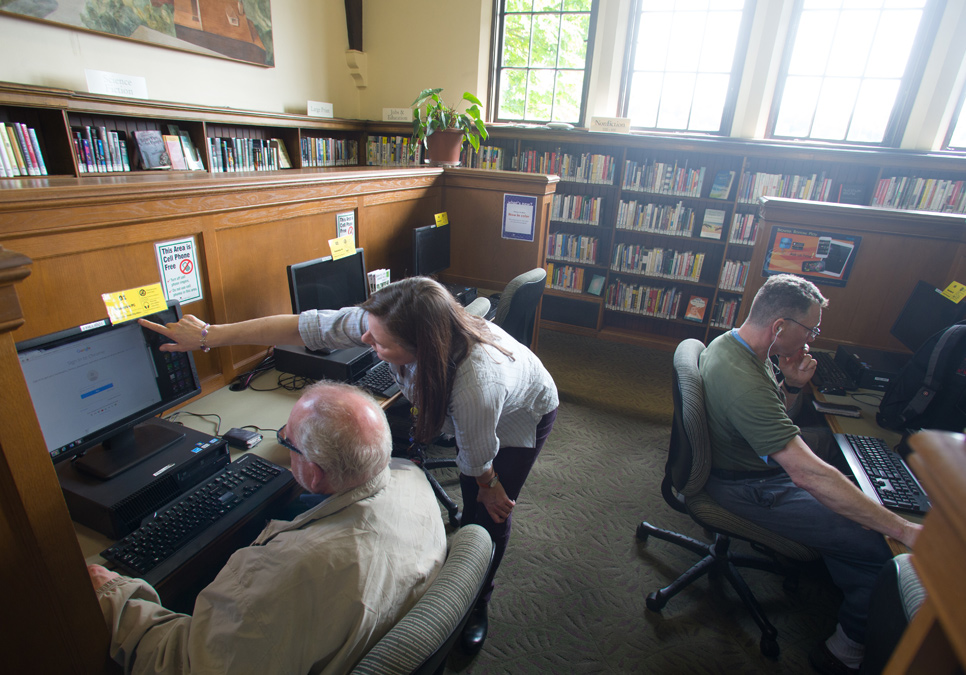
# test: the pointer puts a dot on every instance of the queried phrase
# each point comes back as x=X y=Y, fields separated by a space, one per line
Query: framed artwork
x=823 y=257
x=240 y=30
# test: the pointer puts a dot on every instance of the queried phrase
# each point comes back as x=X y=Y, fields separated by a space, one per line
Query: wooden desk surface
x=267 y=409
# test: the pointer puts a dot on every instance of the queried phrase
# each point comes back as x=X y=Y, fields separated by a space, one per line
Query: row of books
x=657 y=262
x=20 y=153
x=734 y=274
x=488 y=157
x=724 y=313
x=659 y=301
x=231 y=153
x=572 y=247
x=676 y=220
x=815 y=187
x=576 y=209
x=100 y=150
x=583 y=168
x=565 y=278
x=663 y=178
x=920 y=194
x=744 y=229
x=392 y=151
x=329 y=152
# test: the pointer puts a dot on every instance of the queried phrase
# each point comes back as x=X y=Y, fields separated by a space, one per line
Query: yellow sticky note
x=955 y=292
x=442 y=219
x=134 y=302
x=342 y=246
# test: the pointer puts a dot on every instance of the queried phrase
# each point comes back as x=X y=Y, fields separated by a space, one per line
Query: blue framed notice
x=519 y=214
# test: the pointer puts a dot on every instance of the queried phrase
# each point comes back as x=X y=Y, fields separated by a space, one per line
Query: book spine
x=35 y=142
x=15 y=150
x=28 y=152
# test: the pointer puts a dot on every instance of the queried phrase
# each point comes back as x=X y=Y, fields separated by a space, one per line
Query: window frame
x=954 y=120
x=908 y=84
x=496 y=60
x=743 y=44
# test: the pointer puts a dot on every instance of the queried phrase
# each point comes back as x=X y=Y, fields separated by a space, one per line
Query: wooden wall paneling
x=385 y=225
x=898 y=248
x=47 y=590
x=474 y=201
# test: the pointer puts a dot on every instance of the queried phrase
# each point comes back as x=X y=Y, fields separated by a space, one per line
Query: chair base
x=717 y=560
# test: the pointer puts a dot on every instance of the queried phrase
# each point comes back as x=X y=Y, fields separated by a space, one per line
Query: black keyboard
x=379 y=380
x=170 y=537
x=829 y=375
x=882 y=474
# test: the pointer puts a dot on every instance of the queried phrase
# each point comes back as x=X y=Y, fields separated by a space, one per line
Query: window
x=849 y=69
x=543 y=60
x=682 y=64
x=957 y=137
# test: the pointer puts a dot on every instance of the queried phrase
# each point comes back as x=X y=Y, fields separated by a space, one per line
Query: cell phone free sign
x=178 y=262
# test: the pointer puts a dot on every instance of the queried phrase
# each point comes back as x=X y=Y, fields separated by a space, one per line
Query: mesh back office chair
x=420 y=642
x=687 y=469
x=516 y=313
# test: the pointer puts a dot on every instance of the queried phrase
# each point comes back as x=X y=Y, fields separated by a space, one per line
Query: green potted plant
x=442 y=130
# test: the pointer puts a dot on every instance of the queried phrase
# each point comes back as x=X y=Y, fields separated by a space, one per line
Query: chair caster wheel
x=643 y=532
x=769 y=647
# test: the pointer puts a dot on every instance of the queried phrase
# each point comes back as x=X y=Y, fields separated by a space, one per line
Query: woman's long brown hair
x=426 y=319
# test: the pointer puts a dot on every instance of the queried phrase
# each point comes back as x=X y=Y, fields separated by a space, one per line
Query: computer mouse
x=832 y=391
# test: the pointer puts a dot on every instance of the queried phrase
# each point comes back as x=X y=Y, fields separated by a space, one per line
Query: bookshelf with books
x=41 y=131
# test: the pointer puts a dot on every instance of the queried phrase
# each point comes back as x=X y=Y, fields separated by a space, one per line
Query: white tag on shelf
x=617 y=125
x=319 y=109
x=115 y=84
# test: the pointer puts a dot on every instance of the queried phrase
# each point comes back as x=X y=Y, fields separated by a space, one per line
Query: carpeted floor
x=570 y=593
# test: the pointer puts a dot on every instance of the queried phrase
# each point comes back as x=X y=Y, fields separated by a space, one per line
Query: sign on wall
x=823 y=257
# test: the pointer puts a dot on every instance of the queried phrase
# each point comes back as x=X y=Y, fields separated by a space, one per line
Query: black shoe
x=825 y=662
x=474 y=632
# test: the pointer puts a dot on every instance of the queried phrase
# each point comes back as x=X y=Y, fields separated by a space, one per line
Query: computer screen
x=430 y=250
x=325 y=283
x=92 y=385
x=926 y=313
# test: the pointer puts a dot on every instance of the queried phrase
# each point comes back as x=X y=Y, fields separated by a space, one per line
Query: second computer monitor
x=430 y=250
x=325 y=283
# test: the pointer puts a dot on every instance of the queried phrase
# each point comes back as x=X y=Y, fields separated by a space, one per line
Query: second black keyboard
x=379 y=380
x=882 y=474
x=182 y=529
x=829 y=375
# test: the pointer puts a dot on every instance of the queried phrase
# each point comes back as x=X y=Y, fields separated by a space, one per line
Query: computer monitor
x=926 y=313
x=325 y=283
x=93 y=385
x=430 y=250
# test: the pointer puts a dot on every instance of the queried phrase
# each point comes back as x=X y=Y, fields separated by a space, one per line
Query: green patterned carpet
x=570 y=593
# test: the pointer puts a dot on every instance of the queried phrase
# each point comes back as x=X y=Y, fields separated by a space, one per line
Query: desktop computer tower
x=870 y=368
x=343 y=365
x=116 y=507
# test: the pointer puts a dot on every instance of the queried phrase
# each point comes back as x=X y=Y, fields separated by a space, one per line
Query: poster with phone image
x=823 y=257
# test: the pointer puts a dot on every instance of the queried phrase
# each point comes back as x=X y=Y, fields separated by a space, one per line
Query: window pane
x=687 y=30
x=958 y=139
x=543 y=48
x=647 y=96
x=676 y=101
x=516 y=41
x=798 y=106
x=540 y=94
x=709 y=97
x=835 y=103
x=853 y=38
x=518 y=5
x=872 y=110
x=718 y=46
x=577 y=5
x=513 y=94
x=566 y=103
x=652 y=41
x=546 y=5
x=573 y=40
x=893 y=44
x=812 y=44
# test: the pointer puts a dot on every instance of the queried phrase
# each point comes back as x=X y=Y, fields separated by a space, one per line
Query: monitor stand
x=126 y=449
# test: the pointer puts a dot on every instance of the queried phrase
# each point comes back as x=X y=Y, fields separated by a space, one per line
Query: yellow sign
x=442 y=219
x=955 y=292
x=134 y=302
x=342 y=246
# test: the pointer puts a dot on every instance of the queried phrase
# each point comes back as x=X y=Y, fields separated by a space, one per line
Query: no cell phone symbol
x=185 y=267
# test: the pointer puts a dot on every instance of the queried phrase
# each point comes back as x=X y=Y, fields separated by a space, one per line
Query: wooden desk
x=935 y=641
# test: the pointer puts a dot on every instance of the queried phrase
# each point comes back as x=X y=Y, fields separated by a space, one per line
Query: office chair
x=687 y=469
x=422 y=639
x=515 y=311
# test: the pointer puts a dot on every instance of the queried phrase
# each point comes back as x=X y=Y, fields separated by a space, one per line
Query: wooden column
x=51 y=623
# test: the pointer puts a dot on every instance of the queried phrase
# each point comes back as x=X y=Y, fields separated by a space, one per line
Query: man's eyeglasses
x=812 y=332
x=284 y=442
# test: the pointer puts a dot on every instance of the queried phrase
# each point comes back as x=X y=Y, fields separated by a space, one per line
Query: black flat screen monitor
x=325 y=283
x=430 y=250
x=926 y=313
x=92 y=386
